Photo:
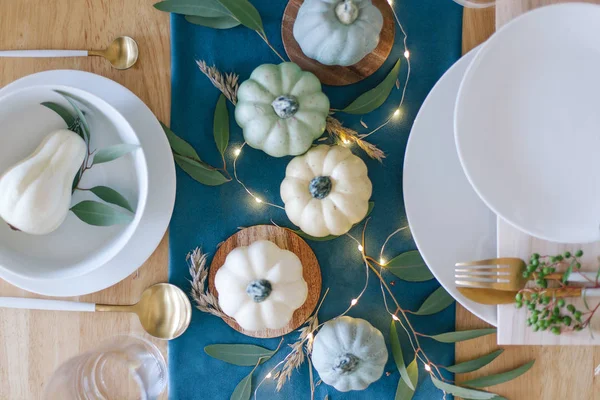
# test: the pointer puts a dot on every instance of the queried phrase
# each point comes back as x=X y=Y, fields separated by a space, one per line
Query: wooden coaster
x=337 y=75
x=286 y=240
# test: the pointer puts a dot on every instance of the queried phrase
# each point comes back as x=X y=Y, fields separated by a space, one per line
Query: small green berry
x=578 y=327
x=535 y=256
x=552 y=270
x=535 y=262
x=529 y=322
x=519 y=304
x=553 y=259
x=577 y=315
x=559 y=257
x=526 y=275
x=567 y=321
x=561 y=302
x=531 y=268
x=545 y=313
x=545 y=299
x=555 y=330
x=534 y=319
x=536 y=328
x=544 y=283
x=567 y=254
x=577 y=265
x=546 y=270
x=556 y=311
x=571 y=308
x=531 y=307
x=578 y=253
x=519 y=296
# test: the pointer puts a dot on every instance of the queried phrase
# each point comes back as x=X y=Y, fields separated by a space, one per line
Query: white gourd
x=349 y=353
x=35 y=194
x=338 y=32
x=281 y=109
x=326 y=190
x=261 y=286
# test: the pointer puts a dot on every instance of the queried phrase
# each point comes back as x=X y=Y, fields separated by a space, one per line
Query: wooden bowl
x=287 y=240
x=336 y=75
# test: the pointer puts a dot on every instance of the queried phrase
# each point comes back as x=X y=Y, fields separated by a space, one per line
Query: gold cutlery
x=496 y=297
x=122 y=53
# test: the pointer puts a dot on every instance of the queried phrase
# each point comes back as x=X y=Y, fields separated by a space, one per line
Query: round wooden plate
x=337 y=75
x=286 y=240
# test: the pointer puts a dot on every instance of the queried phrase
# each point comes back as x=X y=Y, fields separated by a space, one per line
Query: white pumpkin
x=261 y=285
x=326 y=190
x=338 y=32
x=349 y=353
x=281 y=109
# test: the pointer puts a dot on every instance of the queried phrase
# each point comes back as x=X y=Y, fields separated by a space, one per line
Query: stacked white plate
x=77 y=258
x=512 y=130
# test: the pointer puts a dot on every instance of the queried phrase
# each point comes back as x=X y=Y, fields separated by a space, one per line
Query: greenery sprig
x=115 y=209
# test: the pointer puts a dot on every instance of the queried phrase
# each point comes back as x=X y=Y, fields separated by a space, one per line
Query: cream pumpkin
x=349 y=353
x=326 y=190
x=261 y=286
x=281 y=109
x=338 y=32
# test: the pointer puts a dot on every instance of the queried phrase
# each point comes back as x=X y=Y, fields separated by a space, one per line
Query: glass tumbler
x=124 y=368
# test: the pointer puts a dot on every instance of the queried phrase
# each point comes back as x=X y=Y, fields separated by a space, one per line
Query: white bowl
x=75 y=248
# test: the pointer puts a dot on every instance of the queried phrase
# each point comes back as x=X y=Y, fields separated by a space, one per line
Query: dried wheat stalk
x=346 y=136
x=227 y=83
x=205 y=301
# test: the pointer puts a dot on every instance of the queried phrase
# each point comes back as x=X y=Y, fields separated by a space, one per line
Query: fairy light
x=395 y=317
x=310 y=337
x=382 y=261
x=258 y=200
x=397 y=113
x=427 y=368
x=353 y=302
x=269 y=375
x=390 y=2
x=345 y=141
x=237 y=151
x=360 y=248
x=406 y=54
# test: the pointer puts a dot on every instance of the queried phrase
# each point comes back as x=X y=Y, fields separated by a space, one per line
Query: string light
x=397 y=113
x=427 y=368
x=345 y=141
x=360 y=248
x=406 y=54
x=353 y=302
x=269 y=375
x=310 y=337
x=395 y=317
x=237 y=151
x=391 y=2
x=382 y=261
x=258 y=200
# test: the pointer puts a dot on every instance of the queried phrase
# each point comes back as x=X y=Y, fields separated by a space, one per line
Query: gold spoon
x=164 y=310
x=122 y=53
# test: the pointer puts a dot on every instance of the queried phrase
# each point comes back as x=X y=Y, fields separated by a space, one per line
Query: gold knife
x=495 y=297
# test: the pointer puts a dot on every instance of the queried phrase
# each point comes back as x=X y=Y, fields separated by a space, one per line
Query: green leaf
x=403 y=392
x=305 y=235
x=221 y=125
x=100 y=214
x=473 y=365
x=243 y=390
x=410 y=267
x=85 y=128
x=111 y=196
x=436 y=302
x=113 y=152
x=244 y=12
x=459 y=391
x=398 y=356
x=200 y=172
x=497 y=379
x=567 y=274
x=213 y=22
x=61 y=111
x=203 y=8
x=369 y=101
x=244 y=355
x=180 y=146
x=459 y=336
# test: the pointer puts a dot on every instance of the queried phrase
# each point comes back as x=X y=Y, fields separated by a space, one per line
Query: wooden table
x=560 y=372
x=34 y=343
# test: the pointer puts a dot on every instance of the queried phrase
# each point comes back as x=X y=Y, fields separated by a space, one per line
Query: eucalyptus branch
x=263 y=36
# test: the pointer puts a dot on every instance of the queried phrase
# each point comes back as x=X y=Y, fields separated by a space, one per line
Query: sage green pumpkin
x=281 y=109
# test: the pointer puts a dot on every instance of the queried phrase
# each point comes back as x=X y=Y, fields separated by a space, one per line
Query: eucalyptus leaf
x=203 y=8
x=410 y=267
x=369 y=101
x=113 y=152
x=180 y=146
x=200 y=171
x=403 y=392
x=398 y=356
x=100 y=214
x=497 y=379
x=459 y=336
x=85 y=128
x=244 y=355
x=305 y=235
x=111 y=196
x=213 y=22
x=436 y=302
x=243 y=390
x=61 y=111
x=244 y=12
x=475 y=364
x=465 y=393
x=221 y=125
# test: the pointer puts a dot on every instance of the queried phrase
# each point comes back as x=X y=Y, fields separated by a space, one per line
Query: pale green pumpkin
x=281 y=109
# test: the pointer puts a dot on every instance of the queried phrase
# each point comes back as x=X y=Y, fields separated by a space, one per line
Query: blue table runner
x=205 y=216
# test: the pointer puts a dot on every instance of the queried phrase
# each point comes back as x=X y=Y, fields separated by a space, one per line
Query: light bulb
x=360 y=248
x=237 y=152
x=395 y=317
x=345 y=141
x=353 y=302
x=258 y=200
x=406 y=54
x=382 y=261
x=269 y=375
x=427 y=368
x=397 y=112
x=310 y=337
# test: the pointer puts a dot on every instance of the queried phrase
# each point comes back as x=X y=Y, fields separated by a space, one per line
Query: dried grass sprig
x=346 y=136
x=205 y=301
x=227 y=83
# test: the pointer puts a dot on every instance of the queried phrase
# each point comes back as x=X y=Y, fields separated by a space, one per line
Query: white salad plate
x=448 y=221
x=158 y=209
x=527 y=123
x=75 y=248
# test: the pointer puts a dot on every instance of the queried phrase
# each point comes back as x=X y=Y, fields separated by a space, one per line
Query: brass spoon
x=164 y=310
x=122 y=53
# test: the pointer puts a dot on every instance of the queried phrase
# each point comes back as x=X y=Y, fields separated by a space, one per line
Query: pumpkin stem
x=259 y=290
x=320 y=187
x=285 y=106
x=346 y=363
x=346 y=11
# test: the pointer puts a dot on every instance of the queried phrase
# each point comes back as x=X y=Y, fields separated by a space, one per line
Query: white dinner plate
x=161 y=185
x=528 y=126
x=447 y=219
x=75 y=248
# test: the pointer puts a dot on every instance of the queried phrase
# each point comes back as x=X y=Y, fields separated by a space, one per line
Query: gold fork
x=505 y=274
